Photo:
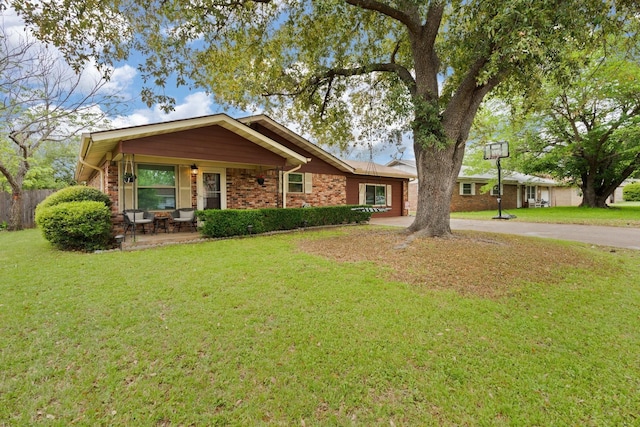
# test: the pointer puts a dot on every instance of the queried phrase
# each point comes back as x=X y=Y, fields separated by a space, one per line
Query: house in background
x=518 y=190
x=217 y=162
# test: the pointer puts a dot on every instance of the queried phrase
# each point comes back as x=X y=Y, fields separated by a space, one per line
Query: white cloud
x=194 y=105
x=120 y=81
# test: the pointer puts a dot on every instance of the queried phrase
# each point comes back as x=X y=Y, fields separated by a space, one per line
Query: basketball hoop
x=498 y=150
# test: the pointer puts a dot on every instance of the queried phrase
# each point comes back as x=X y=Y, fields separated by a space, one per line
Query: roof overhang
x=301 y=142
x=374 y=169
x=96 y=147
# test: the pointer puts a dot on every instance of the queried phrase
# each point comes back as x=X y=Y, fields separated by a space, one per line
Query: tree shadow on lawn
x=471 y=263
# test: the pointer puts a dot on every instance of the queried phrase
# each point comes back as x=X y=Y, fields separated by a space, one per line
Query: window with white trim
x=531 y=192
x=299 y=182
x=375 y=195
x=156 y=187
x=495 y=192
x=467 y=189
x=295 y=183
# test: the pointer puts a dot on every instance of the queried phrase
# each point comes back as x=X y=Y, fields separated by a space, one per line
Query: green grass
x=619 y=215
x=254 y=332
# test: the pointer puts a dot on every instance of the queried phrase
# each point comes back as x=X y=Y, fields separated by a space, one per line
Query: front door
x=212 y=189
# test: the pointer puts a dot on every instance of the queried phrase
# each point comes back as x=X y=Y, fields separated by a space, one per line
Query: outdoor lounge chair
x=534 y=203
x=137 y=217
x=186 y=216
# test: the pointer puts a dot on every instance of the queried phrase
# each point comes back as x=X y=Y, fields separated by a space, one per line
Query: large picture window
x=156 y=187
x=376 y=195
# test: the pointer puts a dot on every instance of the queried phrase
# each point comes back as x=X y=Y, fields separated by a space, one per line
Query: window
x=156 y=187
x=467 y=189
x=531 y=192
x=300 y=182
x=375 y=195
x=495 y=192
x=296 y=183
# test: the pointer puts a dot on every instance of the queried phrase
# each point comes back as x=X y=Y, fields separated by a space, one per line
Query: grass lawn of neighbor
x=617 y=215
x=345 y=326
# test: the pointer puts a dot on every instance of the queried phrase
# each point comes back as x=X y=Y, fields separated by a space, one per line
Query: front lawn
x=339 y=327
x=621 y=215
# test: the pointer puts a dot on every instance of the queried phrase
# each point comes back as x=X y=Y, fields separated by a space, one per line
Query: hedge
x=631 y=192
x=236 y=222
x=83 y=226
x=76 y=193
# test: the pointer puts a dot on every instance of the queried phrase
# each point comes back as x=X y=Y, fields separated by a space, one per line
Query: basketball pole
x=496 y=152
x=499 y=189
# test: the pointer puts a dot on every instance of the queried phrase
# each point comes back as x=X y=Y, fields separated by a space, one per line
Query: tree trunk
x=15 y=211
x=438 y=170
x=591 y=198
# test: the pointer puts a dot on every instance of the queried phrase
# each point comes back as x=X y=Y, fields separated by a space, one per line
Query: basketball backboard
x=497 y=150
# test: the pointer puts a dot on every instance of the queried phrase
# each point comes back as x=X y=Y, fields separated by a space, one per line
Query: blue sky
x=126 y=81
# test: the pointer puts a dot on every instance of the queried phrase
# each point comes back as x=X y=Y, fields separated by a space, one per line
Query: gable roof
x=94 y=146
x=301 y=142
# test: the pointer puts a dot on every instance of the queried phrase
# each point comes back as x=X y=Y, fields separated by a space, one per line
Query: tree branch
x=329 y=75
x=432 y=24
x=411 y=21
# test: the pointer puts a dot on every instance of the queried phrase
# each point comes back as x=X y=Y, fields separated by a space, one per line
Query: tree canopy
x=589 y=132
x=340 y=67
x=583 y=129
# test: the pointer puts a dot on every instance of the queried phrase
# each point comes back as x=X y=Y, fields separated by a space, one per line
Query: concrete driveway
x=619 y=237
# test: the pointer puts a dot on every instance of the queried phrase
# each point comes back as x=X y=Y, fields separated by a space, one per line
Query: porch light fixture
x=194 y=169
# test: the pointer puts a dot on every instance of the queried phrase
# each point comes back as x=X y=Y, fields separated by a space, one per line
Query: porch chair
x=135 y=217
x=534 y=203
x=186 y=216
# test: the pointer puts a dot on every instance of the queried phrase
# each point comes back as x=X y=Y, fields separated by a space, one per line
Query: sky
x=126 y=81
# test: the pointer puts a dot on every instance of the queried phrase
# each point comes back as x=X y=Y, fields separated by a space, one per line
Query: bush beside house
x=76 y=218
x=631 y=192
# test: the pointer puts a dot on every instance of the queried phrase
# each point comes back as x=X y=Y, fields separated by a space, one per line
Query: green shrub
x=83 y=226
x=77 y=193
x=631 y=192
x=230 y=222
x=235 y=222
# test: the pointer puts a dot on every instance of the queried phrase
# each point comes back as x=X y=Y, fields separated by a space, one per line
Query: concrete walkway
x=619 y=237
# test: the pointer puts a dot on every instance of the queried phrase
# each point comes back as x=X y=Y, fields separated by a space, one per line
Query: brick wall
x=484 y=202
x=328 y=190
x=244 y=192
x=477 y=202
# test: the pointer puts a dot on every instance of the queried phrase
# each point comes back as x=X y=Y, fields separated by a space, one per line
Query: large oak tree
x=586 y=131
x=325 y=63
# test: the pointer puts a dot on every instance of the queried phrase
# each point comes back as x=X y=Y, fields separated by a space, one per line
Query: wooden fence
x=30 y=200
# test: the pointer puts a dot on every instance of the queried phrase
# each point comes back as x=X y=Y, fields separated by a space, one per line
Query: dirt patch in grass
x=482 y=264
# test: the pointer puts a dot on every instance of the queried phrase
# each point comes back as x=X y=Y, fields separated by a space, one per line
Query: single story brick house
x=518 y=190
x=218 y=162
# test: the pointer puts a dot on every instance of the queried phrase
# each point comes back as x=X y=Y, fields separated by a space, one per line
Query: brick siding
x=477 y=202
x=328 y=190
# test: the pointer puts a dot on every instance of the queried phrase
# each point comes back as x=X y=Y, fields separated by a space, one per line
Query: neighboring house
x=517 y=190
x=217 y=162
